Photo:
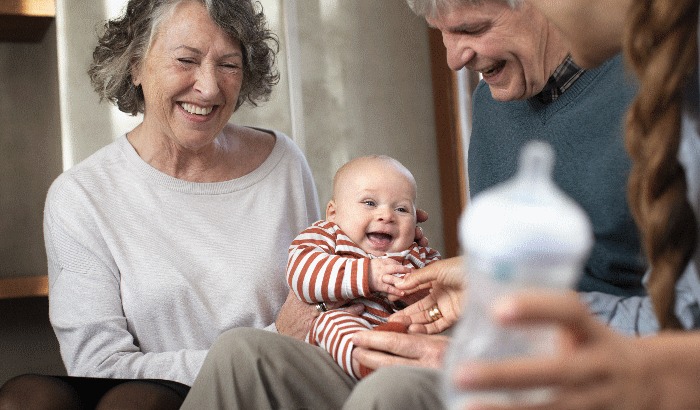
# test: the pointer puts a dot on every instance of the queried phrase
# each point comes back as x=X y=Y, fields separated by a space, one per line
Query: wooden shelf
x=25 y=20
x=24 y=286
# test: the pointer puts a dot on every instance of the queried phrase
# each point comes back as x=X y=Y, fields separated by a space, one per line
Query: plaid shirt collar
x=563 y=77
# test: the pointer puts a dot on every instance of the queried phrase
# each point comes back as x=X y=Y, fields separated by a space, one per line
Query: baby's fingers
x=417 y=280
x=399 y=271
x=391 y=290
x=391 y=279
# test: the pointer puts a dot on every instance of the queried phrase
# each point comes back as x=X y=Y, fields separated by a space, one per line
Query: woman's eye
x=231 y=66
x=186 y=60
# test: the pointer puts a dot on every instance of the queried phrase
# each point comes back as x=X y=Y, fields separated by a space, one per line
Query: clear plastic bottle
x=522 y=234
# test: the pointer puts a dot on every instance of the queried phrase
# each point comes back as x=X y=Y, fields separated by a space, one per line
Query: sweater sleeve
x=425 y=255
x=86 y=312
x=635 y=315
x=316 y=274
x=632 y=315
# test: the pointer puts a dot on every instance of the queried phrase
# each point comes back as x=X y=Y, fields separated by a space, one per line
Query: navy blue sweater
x=585 y=127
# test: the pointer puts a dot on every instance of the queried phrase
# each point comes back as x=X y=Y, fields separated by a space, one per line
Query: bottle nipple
x=536 y=161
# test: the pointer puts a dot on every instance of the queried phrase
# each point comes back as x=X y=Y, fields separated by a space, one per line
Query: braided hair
x=661 y=47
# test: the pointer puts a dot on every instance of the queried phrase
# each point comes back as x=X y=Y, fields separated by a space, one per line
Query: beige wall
x=30 y=158
x=360 y=83
x=366 y=90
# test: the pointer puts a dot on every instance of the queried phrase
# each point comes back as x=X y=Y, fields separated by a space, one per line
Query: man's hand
x=374 y=349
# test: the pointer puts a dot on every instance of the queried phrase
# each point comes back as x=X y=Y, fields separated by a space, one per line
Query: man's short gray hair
x=431 y=8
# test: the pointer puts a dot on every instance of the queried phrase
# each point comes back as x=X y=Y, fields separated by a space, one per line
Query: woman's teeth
x=193 y=109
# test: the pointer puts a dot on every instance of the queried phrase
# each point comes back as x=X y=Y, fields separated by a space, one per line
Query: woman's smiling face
x=191 y=78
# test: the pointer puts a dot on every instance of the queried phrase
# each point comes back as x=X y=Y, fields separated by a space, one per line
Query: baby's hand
x=384 y=273
x=412 y=295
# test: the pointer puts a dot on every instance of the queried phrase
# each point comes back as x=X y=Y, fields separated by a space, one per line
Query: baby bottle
x=522 y=234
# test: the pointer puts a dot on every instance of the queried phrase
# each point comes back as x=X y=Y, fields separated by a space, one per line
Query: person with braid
x=364 y=246
x=598 y=367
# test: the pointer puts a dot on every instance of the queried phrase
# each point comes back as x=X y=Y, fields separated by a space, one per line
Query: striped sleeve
x=333 y=332
x=420 y=256
x=316 y=274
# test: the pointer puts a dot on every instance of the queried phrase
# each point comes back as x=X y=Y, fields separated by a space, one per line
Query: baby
x=363 y=247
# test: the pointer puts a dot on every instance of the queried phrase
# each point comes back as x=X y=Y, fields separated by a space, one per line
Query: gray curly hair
x=125 y=40
x=431 y=8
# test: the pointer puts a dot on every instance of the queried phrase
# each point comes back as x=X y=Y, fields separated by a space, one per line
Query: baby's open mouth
x=379 y=239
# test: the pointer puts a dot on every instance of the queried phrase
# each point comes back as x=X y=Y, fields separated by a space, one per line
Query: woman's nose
x=206 y=82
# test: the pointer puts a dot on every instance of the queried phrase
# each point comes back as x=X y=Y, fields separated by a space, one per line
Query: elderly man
x=525 y=63
x=530 y=89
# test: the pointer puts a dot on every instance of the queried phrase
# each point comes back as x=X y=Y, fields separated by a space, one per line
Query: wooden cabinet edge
x=29 y=8
x=25 y=21
x=25 y=286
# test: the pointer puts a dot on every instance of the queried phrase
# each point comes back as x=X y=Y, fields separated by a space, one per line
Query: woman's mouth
x=196 y=109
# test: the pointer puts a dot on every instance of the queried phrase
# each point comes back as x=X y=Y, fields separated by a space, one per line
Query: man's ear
x=330 y=211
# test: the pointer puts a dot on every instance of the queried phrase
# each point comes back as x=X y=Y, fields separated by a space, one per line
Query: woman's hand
x=374 y=349
x=295 y=317
x=447 y=292
x=448 y=272
x=596 y=368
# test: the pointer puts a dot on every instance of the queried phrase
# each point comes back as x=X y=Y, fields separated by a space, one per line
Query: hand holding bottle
x=522 y=235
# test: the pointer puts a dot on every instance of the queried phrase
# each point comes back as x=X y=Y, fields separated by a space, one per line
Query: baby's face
x=374 y=205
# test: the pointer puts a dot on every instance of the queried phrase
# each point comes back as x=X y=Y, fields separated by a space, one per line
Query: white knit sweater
x=146 y=270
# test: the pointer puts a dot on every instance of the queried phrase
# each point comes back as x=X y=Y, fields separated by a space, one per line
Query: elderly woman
x=178 y=230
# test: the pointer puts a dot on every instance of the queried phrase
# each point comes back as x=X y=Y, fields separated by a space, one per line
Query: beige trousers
x=256 y=369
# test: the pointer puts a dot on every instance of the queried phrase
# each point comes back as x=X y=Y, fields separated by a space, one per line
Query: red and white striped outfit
x=325 y=265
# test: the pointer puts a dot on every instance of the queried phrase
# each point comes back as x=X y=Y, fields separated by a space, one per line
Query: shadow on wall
x=27 y=342
x=30 y=144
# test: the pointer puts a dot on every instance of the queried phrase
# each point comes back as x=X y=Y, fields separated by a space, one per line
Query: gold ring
x=434 y=313
x=321 y=307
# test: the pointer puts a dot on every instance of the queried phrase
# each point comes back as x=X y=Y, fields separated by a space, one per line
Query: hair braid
x=661 y=47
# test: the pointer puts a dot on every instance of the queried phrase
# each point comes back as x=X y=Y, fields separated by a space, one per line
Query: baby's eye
x=370 y=203
x=402 y=209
